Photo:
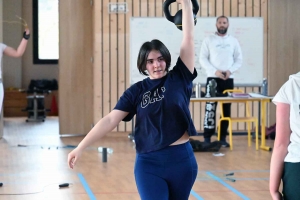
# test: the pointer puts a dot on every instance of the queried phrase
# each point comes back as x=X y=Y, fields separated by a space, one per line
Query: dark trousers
x=291 y=181
x=166 y=174
x=211 y=107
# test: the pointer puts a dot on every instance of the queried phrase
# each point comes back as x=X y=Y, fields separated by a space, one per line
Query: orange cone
x=54 y=109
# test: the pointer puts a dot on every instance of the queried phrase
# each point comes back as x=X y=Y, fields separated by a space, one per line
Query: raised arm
x=104 y=126
x=187 y=51
x=281 y=143
x=9 y=51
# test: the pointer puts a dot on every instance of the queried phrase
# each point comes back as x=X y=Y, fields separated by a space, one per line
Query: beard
x=222 y=31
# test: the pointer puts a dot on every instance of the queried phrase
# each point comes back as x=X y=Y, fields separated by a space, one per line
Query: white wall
x=29 y=70
x=12 y=36
x=18 y=72
x=1 y=37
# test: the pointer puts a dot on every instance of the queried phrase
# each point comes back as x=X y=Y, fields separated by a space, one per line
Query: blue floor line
x=196 y=195
x=86 y=187
x=228 y=186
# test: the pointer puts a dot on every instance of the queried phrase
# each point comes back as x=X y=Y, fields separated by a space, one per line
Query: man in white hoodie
x=220 y=56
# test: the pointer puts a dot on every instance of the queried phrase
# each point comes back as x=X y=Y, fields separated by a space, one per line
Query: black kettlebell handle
x=167 y=11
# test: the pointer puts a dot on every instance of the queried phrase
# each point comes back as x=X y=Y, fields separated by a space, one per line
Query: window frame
x=35 y=30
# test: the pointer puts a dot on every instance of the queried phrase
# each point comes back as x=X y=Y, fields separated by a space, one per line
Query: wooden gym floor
x=36 y=168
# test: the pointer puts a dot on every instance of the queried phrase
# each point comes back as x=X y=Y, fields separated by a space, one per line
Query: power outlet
x=121 y=8
x=117 y=8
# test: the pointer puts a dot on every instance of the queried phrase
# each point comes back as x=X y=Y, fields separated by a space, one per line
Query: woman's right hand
x=73 y=156
x=277 y=196
x=220 y=74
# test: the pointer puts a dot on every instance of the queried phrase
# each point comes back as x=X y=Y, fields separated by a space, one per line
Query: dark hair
x=222 y=16
x=145 y=50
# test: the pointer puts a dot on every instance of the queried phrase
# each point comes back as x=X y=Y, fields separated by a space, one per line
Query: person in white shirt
x=285 y=161
x=220 y=56
x=9 y=51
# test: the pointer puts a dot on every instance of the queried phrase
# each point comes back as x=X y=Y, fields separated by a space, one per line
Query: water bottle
x=265 y=87
x=104 y=154
x=109 y=150
x=198 y=90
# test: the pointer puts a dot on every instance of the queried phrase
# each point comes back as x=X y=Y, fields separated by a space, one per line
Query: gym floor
x=34 y=163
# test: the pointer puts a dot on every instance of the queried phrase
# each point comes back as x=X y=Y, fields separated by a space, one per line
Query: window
x=45 y=32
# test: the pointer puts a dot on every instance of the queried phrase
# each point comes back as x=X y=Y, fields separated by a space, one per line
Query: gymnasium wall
x=30 y=70
x=75 y=66
x=112 y=53
x=17 y=72
x=283 y=44
x=12 y=36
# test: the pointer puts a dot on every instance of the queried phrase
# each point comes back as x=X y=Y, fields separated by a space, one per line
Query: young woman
x=165 y=166
x=285 y=162
x=9 y=51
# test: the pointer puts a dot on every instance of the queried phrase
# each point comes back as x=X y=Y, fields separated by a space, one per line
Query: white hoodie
x=220 y=53
x=289 y=93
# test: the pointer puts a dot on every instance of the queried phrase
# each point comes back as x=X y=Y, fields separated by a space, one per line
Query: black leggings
x=211 y=107
x=291 y=181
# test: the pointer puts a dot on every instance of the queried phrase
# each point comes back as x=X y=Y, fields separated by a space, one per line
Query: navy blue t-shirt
x=161 y=107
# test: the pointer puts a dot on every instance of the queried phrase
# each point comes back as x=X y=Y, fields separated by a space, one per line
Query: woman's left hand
x=27 y=31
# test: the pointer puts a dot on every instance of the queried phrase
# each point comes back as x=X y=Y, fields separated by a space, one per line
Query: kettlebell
x=177 y=18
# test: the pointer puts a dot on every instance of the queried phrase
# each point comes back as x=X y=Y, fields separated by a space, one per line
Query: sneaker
x=224 y=143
